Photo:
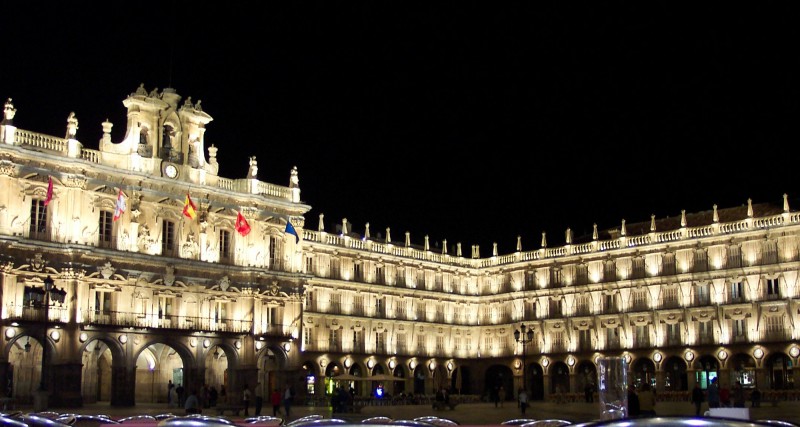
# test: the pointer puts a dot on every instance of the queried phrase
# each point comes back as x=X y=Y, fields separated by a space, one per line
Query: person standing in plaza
x=288 y=399
x=259 y=399
x=713 y=394
x=738 y=395
x=246 y=400
x=501 y=395
x=522 y=397
x=697 y=398
x=275 y=398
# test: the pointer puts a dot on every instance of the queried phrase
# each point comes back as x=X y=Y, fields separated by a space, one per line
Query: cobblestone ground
x=472 y=413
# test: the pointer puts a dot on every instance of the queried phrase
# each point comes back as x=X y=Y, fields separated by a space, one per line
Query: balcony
x=141 y=320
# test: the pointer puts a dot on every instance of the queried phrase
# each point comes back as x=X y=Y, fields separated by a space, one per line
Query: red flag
x=120 y=207
x=189 y=208
x=49 y=196
x=241 y=224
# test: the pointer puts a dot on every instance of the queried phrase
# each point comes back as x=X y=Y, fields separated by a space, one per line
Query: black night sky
x=469 y=121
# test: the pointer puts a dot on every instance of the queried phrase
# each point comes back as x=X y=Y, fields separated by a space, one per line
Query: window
x=335 y=340
x=379 y=276
x=737 y=291
x=358 y=340
x=274 y=318
x=309 y=265
x=674 y=334
x=612 y=338
x=773 y=291
x=224 y=245
x=738 y=328
x=102 y=302
x=401 y=344
x=336 y=302
x=380 y=342
x=440 y=344
x=164 y=307
x=38 y=219
x=105 y=228
x=705 y=333
x=274 y=262
x=307 y=338
x=167 y=237
x=220 y=311
x=610 y=303
x=643 y=336
x=585 y=340
x=701 y=294
x=358 y=272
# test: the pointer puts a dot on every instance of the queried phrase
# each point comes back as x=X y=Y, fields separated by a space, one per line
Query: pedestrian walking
x=259 y=399
x=275 y=398
x=523 y=400
x=698 y=397
x=713 y=394
x=288 y=399
x=246 y=400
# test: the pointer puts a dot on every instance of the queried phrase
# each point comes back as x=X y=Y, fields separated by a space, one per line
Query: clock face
x=171 y=171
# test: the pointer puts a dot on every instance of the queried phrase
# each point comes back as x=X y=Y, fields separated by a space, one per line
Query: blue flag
x=290 y=229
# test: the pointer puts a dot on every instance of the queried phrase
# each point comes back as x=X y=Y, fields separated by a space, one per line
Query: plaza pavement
x=466 y=414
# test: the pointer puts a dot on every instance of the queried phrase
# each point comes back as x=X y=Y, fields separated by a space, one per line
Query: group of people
x=195 y=400
x=722 y=397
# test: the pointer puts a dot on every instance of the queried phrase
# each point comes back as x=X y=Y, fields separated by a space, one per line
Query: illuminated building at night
x=163 y=270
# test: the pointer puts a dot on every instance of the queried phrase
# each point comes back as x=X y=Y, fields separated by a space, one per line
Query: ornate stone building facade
x=133 y=265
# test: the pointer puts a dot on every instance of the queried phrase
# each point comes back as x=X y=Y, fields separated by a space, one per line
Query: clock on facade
x=171 y=171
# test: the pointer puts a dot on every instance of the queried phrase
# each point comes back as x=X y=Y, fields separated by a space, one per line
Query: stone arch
x=559 y=377
x=191 y=374
x=706 y=368
x=742 y=367
x=271 y=360
x=675 y=378
x=535 y=374
x=585 y=376
x=778 y=368
x=499 y=376
x=98 y=354
x=24 y=353
x=643 y=371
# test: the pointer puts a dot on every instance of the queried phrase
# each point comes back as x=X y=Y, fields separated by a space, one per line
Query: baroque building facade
x=136 y=264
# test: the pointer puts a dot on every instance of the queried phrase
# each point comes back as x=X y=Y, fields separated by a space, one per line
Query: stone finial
x=408 y=238
x=785 y=202
x=444 y=247
x=683 y=217
x=568 y=236
x=344 y=227
x=366 y=232
x=715 y=217
x=749 y=208
x=519 y=243
x=544 y=239
x=623 y=230
x=494 y=249
x=652 y=223
x=72 y=125
x=388 y=235
x=594 y=231
x=294 y=179
x=253 y=170
x=212 y=152
x=9 y=112
x=321 y=226
x=458 y=249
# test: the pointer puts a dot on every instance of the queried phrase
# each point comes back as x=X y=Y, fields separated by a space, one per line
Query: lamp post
x=524 y=335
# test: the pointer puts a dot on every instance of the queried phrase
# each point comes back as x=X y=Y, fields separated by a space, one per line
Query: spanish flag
x=189 y=208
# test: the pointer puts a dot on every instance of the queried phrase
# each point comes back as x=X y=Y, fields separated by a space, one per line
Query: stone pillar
x=5 y=367
x=67 y=387
x=123 y=384
x=546 y=382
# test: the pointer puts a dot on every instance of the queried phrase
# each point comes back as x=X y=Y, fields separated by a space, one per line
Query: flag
x=290 y=229
x=120 y=207
x=241 y=224
x=189 y=208
x=49 y=196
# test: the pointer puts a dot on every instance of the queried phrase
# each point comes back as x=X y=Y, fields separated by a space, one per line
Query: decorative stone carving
x=106 y=270
x=169 y=277
x=224 y=283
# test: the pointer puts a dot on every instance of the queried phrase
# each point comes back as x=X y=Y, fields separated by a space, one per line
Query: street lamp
x=58 y=296
x=524 y=335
